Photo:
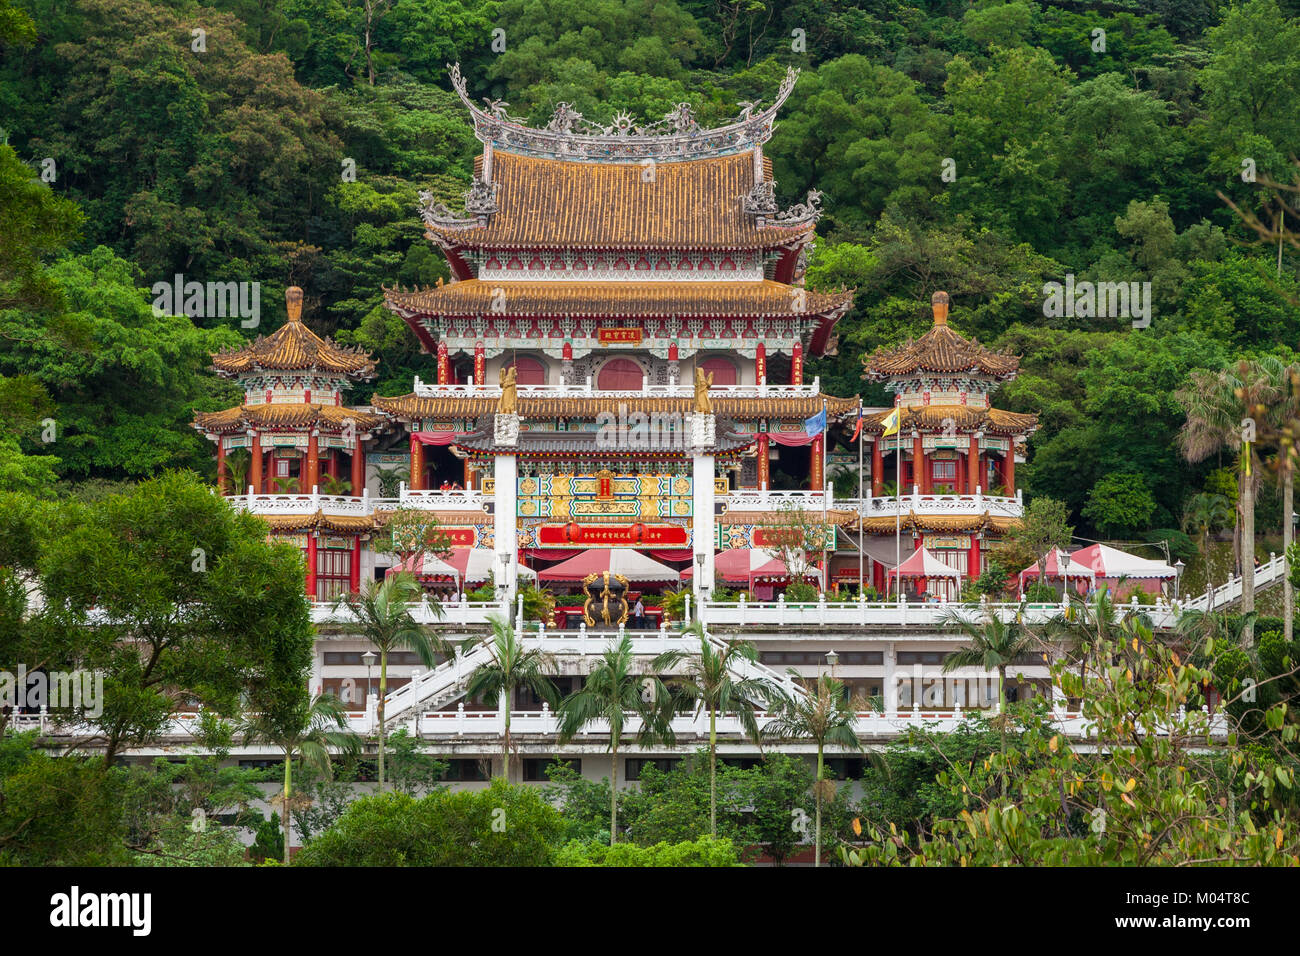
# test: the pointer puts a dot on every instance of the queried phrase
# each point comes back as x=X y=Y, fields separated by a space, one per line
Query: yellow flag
x=891 y=424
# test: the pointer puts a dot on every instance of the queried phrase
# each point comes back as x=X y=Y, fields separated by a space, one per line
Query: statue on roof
x=703 y=405
x=508 y=404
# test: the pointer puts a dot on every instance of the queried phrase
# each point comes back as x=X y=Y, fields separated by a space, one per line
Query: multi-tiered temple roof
x=294 y=347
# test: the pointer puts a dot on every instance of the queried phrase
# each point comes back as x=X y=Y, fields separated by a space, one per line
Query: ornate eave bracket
x=805 y=213
x=569 y=135
x=480 y=203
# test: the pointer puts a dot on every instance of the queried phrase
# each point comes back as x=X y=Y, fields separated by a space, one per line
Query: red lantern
x=572 y=531
x=638 y=532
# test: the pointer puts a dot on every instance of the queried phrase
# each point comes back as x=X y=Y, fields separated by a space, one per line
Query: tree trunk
x=713 y=772
x=613 y=796
x=1288 y=505
x=284 y=824
x=505 y=746
x=383 y=692
x=1002 y=726
x=1248 y=553
x=817 y=795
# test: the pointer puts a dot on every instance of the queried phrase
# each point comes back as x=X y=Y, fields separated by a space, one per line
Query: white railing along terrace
x=459 y=723
x=363 y=504
x=950 y=504
x=453 y=612
x=586 y=389
x=1270 y=572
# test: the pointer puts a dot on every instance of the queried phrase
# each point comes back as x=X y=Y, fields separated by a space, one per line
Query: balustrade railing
x=586 y=389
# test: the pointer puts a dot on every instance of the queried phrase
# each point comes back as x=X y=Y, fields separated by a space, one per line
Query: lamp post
x=503 y=583
x=832 y=659
x=368 y=658
x=1178 y=576
x=699 y=574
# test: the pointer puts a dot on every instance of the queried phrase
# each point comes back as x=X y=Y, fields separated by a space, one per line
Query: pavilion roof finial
x=293 y=303
x=939 y=302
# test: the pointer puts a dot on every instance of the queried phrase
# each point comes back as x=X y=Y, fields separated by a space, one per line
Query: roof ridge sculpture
x=570 y=135
x=295 y=347
x=941 y=350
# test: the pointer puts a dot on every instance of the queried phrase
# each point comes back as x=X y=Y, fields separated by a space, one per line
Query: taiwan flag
x=857 y=429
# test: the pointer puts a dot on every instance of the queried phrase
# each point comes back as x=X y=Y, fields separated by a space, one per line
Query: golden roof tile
x=633 y=298
x=552 y=203
x=962 y=418
x=294 y=347
x=286 y=415
x=941 y=350
x=532 y=407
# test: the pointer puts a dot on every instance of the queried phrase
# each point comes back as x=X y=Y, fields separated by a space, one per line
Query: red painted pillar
x=973 y=558
x=358 y=469
x=332 y=456
x=311 y=565
x=818 y=478
x=255 y=463
x=764 y=463
x=480 y=364
x=796 y=365
x=973 y=465
x=918 y=461
x=221 y=464
x=313 y=461
x=354 y=571
x=877 y=468
x=760 y=363
x=444 y=364
x=1009 y=471
x=417 y=464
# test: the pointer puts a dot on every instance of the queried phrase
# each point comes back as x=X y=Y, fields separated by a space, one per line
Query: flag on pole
x=857 y=429
x=891 y=423
x=816 y=425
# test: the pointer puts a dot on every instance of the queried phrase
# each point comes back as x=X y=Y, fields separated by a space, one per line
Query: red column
x=417 y=464
x=918 y=461
x=221 y=465
x=973 y=465
x=255 y=463
x=358 y=469
x=760 y=363
x=764 y=464
x=1009 y=471
x=332 y=456
x=796 y=365
x=354 y=571
x=818 y=479
x=877 y=467
x=311 y=565
x=480 y=364
x=973 y=558
x=444 y=364
x=927 y=484
x=313 y=461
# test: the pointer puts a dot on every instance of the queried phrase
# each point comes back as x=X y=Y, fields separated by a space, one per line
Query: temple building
x=952 y=460
x=617 y=392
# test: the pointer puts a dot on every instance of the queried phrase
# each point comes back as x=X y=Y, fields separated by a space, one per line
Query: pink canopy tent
x=464 y=566
x=1111 y=565
x=922 y=564
x=629 y=562
x=1059 y=565
x=426 y=565
x=745 y=566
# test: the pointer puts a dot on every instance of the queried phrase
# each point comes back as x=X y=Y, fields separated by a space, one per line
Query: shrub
x=801 y=591
x=503 y=825
x=706 y=851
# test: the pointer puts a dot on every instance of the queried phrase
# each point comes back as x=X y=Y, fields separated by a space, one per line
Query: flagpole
x=862 y=589
x=898 y=493
x=826 y=436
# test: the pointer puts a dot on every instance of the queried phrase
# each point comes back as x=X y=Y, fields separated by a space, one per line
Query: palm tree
x=384 y=618
x=1221 y=411
x=994 y=645
x=710 y=684
x=823 y=715
x=1202 y=514
x=305 y=733
x=237 y=464
x=1281 y=417
x=511 y=666
x=333 y=485
x=613 y=692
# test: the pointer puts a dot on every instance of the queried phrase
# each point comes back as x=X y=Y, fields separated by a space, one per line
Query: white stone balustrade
x=587 y=389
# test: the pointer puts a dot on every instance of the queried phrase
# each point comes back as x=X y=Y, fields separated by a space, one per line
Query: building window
x=333 y=573
x=636 y=765
x=621 y=375
x=535 y=768
x=465 y=770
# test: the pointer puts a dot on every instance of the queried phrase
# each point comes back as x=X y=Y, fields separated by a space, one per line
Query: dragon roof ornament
x=569 y=135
